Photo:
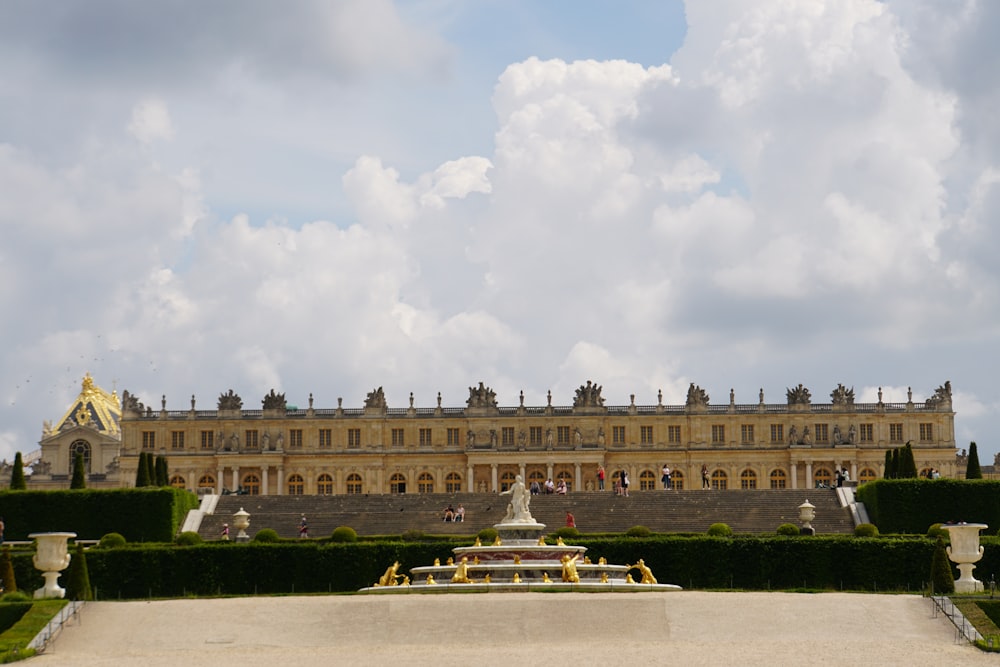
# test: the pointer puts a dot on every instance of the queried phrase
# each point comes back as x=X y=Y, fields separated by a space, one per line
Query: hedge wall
x=141 y=515
x=912 y=505
x=749 y=563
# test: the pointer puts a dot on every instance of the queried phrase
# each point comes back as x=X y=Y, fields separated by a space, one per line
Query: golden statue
x=390 y=576
x=517 y=559
x=478 y=543
x=602 y=561
x=497 y=542
x=476 y=560
x=541 y=540
x=545 y=578
x=517 y=578
x=569 y=572
x=629 y=579
x=450 y=561
x=486 y=579
x=559 y=542
x=406 y=580
x=604 y=577
x=647 y=574
x=437 y=562
x=461 y=575
x=430 y=580
x=586 y=560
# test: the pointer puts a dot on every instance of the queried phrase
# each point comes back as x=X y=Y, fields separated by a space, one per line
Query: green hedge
x=912 y=505
x=749 y=563
x=141 y=515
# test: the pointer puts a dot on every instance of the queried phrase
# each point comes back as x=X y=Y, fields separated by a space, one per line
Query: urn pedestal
x=964 y=551
x=51 y=557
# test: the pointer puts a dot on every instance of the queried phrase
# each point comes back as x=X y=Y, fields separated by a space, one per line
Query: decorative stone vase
x=241 y=521
x=51 y=557
x=807 y=512
x=964 y=551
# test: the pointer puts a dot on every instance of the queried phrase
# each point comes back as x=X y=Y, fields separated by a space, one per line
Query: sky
x=323 y=198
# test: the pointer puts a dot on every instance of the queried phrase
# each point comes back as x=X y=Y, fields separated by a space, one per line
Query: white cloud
x=151 y=122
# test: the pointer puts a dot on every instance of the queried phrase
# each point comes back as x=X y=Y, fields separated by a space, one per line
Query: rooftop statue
x=941 y=397
x=798 y=395
x=131 y=402
x=375 y=399
x=481 y=397
x=230 y=401
x=588 y=396
x=696 y=397
x=274 y=401
x=842 y=396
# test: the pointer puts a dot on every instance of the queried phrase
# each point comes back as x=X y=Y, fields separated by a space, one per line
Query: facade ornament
x=941 y=397
x=880 y=395
x=230 y=401
x=41 y=467
x=376 y=399
x=588 y=396
x=163 y=402
x=131 y=403
x=798 y=395
x=192 y=402
x=697 y=397
x=793 y=436
x=310 y=400
x=273 y=401
x=411 y=399
x=842 y=396
x=439 y=399
x=760 y=396
x=481 y=397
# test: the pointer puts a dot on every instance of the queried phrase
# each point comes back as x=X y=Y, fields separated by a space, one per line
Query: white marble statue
x=520 y=499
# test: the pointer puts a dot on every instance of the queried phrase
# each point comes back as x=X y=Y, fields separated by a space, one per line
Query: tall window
x=720 y=481
x=354 y=438
x=208 y=439
x=148 y=440
x=295 y=438
x=177 y=440
x=564 y=476
x=536 y=476
x=251 y=484
x=425 y=437
x=325 y=438
x=206 y=482
x=618 y=435
x=746 y=434
x=867 y=475
x=777 y=432
x=535 y=435
x=926 y=432
x=677 y=480
x=177 y=482
x=507 y=480
x=823 y=477
x=718 y=434
x=507 y=435
x=454 y=439
x=453 y=483
x=778 y=479
x=251 y=441
x=397 y=483
x=822 y=433
x=647 y=481
x=866 y=433
x=324 y=485
x=646 y=435
x=674 y=434
x=895 y=433
x=296 y=485
x=748 y=480
x=425 y=483
x=81 y=447
x=354 y=485
x=397 y=437
x=562 y=435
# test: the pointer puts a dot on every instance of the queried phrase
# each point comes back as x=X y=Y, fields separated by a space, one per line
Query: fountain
x=965 y=550
x=519 y=560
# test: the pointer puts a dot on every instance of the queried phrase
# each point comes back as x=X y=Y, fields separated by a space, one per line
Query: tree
x=895 y=462
x=942 y=581
x=7 y=570
x=78 y=577
x=162 y=471
x=79 y=474
x=17 y=480
x=972 y=470
x=907 y=464
x=142 y=472
x=888 y=474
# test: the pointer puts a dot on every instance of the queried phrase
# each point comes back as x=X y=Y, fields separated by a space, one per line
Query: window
x=926 y=432
x=177 y=440
x=647 y=481
x=397 y=483
x=507 y=435
x=866 y=433
x=674 y=434
x=251 y=484
x=206 y=482
x=425 y=483
x=562 y=435
x=354 y=486
x=718 y=434
x=536 y=476
x=453 y=483
x=677 y=480
x=354 y=439
x=454 y=439
x=251 y=440
x=81 y=447
x=178 y=482
x=779 y=479
x=506 y=481
x=777 y=432
x=618 y=435
x=895 y=433
x=397 y=437
x=564 y=476
x=748 y=480
x=296 y=485
x=148 y=440
x=746 y=434
x=425 y=437
x=324 y=485
x=822 y=433
x=720 y=481
x=535 y=435
x=822 y=478
x=325 y=438
x=646 y=436
x=208 y=439
x=867 y=475
x=295 y=438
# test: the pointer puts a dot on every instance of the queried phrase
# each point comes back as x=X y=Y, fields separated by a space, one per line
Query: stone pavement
x=682 y=628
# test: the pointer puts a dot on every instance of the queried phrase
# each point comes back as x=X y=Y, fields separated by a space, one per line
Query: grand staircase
x=595 y=512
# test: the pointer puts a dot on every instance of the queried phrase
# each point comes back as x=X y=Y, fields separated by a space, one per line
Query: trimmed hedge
x=911 y=505
x=141 y=515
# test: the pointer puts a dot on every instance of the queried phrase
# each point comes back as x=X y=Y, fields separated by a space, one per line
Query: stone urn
x=51 y=557
x=241 y=521
x=807 y=512
x=964 y=551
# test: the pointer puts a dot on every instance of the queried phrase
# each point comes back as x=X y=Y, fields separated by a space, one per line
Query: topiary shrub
x=487 y=535
x=188 y=538
x=16 y=596
x=413 y=535
x=7 y=577
x=788 y=529
x=266 y=535
x=566 y=532
x=866 y=530
x=936 y=531
x=78 y=577
x=344 y=534
x=112 y=541
x=720 y=530
x=638 y=531
x=942 y=581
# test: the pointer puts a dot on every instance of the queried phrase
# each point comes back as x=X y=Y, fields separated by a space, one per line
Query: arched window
x=779 y=479
x=425 y=483
x=536 y=476
x=296 y=485
x=748 y=480
x=507 y=480
x=324 y=485
x=354 y=486
x=720 y=480
x=178 y=482
x=567 y=477
x=251 y=484
x=822 y=478
x=453 y=483
x=677 y=480
x=79 y=447
x=867 y=475
x=647 y=480
x=206 y=482
x=397 y=483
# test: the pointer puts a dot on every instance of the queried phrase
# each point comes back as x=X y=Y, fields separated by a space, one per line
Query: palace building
x=481 y=447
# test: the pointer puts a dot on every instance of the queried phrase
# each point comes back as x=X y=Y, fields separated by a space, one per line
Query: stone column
x=281 y=477
x=470 y=473
x=236 y=477
x=264 y=479
x=793 y=469
x=578 y=483
x=809 y=475
x=219 y=473
x=494 y=483
x=548 y=470
x=854 y=471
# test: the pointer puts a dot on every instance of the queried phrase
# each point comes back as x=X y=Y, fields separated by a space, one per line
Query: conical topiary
x=907 y=464
x=972 y=470
x=79 y=480
x=162 y=472
x=17 y=480
x=7 y=570
x=942 y=581
x=142 y=472
x=888 y=464
x=78 y=577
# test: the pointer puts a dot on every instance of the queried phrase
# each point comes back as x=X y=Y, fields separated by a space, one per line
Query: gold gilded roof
x=94 y=408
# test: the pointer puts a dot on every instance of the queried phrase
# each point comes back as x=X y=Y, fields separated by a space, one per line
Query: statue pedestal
x=52 y=556
x=965 y=550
